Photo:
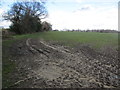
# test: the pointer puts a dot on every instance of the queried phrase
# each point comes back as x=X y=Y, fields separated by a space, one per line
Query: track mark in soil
x=62 y=67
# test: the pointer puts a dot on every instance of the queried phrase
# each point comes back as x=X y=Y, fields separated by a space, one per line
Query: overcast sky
x=77 y=14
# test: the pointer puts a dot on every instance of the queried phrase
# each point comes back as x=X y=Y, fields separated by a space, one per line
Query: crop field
x=61 y=59
x=93 y=38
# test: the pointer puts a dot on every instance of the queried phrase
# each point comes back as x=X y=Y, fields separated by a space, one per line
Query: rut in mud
x=46 y=65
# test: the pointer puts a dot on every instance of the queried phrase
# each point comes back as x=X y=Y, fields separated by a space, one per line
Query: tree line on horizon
x=93 y=30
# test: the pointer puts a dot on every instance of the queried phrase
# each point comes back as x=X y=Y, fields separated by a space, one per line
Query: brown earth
x=42 y=64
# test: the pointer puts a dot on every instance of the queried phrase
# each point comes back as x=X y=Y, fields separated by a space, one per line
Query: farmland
x=75 y=59
x=94 y=38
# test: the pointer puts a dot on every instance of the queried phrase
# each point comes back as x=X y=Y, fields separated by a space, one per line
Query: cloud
x=78 y=1
x=1 y=11
x=88 y=18
x=5 y=24
x=84 y=8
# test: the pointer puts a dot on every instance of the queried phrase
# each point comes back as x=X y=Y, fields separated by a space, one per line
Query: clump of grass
x=8 y=66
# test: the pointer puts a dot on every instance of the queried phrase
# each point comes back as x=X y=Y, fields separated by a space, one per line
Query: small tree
x=26 y=16
x=46 y=26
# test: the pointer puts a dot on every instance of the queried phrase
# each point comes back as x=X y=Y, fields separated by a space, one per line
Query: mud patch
x=49 y=71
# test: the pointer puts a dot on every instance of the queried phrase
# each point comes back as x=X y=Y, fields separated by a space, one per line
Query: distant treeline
x=95 y=30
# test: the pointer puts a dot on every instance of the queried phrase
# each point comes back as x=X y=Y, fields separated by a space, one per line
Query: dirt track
x=46 y=65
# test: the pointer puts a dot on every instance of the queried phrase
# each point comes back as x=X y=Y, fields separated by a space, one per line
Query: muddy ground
x=42 y=64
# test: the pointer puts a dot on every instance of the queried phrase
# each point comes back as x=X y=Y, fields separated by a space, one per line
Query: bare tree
x=26 y=16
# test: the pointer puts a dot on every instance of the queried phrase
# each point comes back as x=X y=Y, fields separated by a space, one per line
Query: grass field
x=93 y=38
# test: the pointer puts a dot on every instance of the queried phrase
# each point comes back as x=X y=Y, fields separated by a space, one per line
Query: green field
x=92 y=38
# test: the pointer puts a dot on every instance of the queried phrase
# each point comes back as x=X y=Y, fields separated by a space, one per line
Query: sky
x=76 y=14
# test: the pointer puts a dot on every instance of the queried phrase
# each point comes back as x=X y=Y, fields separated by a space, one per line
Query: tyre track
x=77 y=68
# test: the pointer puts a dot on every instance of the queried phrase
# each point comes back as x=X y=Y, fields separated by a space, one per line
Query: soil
x=44 y=64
